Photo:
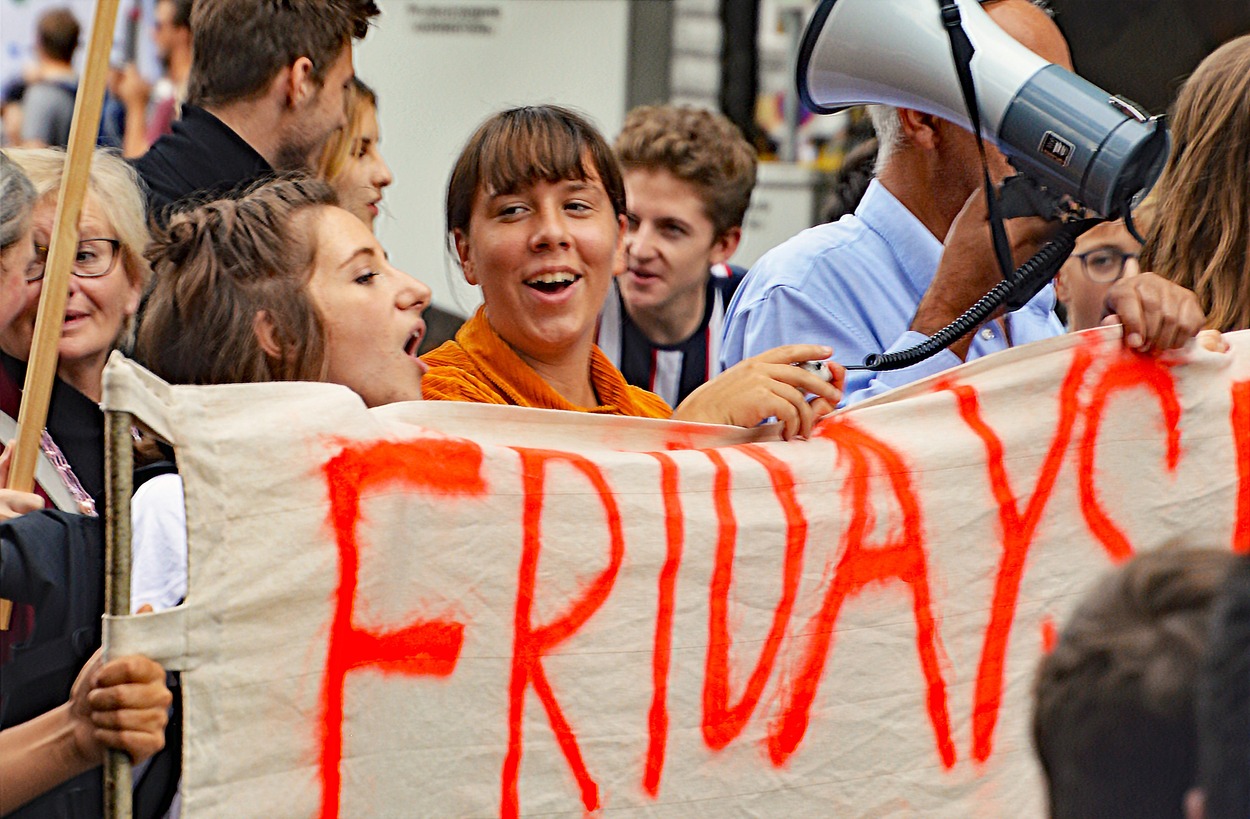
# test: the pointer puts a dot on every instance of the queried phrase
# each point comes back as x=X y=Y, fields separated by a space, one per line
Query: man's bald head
x=1031 y=26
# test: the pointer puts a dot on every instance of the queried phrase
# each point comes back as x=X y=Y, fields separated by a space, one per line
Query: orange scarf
x=480 y=367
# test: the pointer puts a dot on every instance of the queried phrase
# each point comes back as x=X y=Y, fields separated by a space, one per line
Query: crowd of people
x=237 y=246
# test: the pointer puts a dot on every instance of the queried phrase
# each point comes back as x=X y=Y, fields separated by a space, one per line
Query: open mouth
x=642 y=274
x=413 y=342
x=553 y=282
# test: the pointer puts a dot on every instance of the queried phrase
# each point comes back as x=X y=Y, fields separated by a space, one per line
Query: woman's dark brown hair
x=518 y=147
x=222 y=268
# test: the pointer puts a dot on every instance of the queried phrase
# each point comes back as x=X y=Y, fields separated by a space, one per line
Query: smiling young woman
x=536 y=214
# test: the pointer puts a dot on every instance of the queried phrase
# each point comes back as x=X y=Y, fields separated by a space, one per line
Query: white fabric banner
x=464 y=610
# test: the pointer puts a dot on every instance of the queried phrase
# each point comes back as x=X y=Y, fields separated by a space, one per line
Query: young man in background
x=688 y=180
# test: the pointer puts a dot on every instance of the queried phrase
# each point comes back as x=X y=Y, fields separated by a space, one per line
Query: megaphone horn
x=1055 y=127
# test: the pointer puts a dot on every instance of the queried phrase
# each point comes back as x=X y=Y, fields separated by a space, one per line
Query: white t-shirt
x=158 y=520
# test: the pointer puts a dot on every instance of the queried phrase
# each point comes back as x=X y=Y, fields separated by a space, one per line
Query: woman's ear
x=462 y=253
x=621 y=258
x=134 y=297
x=267 y=335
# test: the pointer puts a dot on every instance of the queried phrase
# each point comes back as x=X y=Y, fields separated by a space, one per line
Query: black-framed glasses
x=94 y=258
x=1104 y=265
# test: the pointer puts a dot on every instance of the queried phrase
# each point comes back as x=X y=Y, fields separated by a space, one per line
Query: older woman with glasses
x=109 y=272
x=108 y=277
x=58 y=722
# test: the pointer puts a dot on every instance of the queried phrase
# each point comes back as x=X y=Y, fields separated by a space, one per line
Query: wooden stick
x=41 y=363
x=119 y=481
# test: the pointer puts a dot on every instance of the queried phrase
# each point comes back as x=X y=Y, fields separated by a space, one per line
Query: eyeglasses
x=1104 y=265
x=94 y=258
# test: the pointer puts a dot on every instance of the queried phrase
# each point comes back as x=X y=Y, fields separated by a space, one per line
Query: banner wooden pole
x=41 y=364
x=119 y=477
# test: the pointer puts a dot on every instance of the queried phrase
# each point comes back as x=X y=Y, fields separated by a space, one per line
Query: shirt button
x=987 y=334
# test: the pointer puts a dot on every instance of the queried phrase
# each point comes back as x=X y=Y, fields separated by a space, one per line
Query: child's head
x=699 y=147
x=516 y=148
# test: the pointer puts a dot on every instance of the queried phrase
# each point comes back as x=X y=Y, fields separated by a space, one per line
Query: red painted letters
x=1017 y=533
x=902 y=559
x=674 y=532
x=722 y=721
x=449 y=468
x=1128 y=371
x=1241 y=444
x=532 y=641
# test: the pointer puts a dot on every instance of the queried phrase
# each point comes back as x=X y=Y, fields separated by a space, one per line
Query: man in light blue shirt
x=879 y=280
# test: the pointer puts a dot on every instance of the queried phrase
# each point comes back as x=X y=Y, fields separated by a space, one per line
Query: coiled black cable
x=1029 y=278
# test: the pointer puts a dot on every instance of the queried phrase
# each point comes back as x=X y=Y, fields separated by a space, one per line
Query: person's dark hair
x=17 y=200
x=518 y=147
x=239 y=46
x=182 y=12
x=699 y=147
x=57 y=34
x=220 y=266
x=1224 y=703
x=851 y=181
x=1113 y=719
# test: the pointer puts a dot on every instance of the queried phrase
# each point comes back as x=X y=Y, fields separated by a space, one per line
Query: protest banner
x=466 y=610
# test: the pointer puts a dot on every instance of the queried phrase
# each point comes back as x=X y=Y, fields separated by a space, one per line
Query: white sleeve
x=158 y=519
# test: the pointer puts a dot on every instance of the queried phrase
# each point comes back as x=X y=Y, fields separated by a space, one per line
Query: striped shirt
x=672 y=371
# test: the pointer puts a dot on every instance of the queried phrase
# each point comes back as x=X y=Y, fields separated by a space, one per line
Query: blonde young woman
x=352 y=162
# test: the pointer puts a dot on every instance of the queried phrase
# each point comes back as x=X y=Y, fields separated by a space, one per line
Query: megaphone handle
x=1032 y=274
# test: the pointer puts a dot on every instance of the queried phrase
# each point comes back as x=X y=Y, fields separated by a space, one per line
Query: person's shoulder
x=447 y=383
x=816 y=257
x=725 y=278
x=159 y=491
x=647 y=404
x=54 y=89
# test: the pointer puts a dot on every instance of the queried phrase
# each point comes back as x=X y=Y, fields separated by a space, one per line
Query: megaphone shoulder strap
x=962 y=51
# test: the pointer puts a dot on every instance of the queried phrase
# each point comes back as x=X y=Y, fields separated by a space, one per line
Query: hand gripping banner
x=463 y=610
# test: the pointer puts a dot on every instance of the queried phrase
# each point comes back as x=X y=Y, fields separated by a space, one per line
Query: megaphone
x=1056 y=128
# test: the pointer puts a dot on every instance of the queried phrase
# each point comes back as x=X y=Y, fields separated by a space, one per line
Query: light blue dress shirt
x=855 y=285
